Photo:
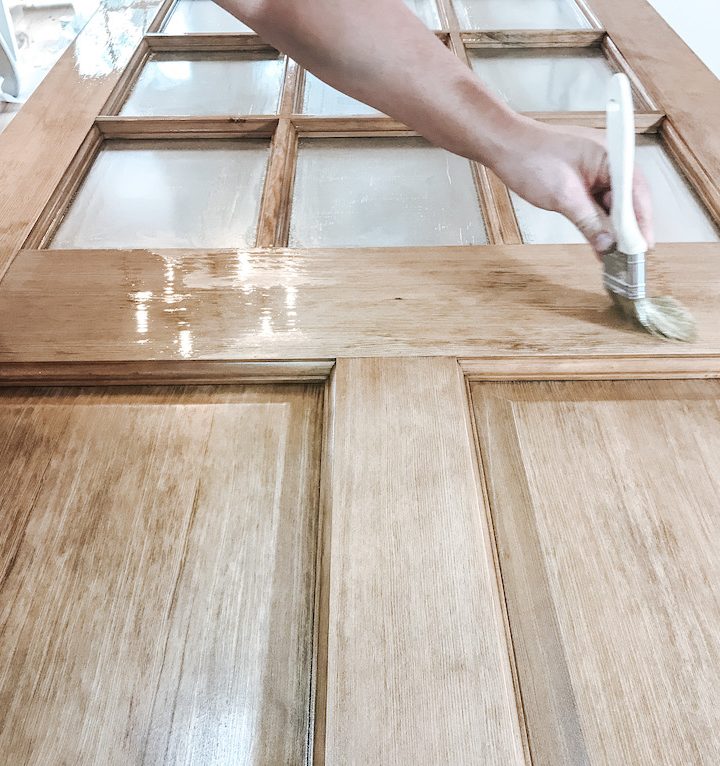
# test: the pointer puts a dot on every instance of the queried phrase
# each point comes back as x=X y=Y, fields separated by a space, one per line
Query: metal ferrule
x=625 y=274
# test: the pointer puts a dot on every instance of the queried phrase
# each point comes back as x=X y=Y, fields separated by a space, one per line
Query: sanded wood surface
x=157 y=554
x=418 y=669
x=484 y=301
x=37 y=147
x=605 y=498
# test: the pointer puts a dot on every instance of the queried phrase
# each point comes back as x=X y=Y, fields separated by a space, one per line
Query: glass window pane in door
x=322 y=99
x=381 y=192
x=157 y=194
x=426 y=11
x=519 y=14
x=548 y=80
x=679 y=216
x=206 y=84
x=202 y=16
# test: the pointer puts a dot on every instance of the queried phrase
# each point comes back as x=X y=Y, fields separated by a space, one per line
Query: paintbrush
x=624 y=267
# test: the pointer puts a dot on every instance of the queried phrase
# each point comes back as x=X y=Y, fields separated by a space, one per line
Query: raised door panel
x=605 y=499
x=158 y=557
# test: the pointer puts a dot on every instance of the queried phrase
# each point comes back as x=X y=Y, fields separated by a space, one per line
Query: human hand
x=566 y=169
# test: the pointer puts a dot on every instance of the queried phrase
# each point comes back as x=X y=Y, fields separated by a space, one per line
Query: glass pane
x=426 y=11
x=202 y=16
x=207 y=83
x=151 y=194
x=375 y=192
x=320 y=98
x=519 y=14
x=546 y=81
x=540 y=227
x=678 y=213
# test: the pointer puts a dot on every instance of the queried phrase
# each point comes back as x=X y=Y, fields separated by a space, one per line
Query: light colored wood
x=205 y=42
x=631 y=367
x=492 y=216
x=176 y=373
x=186 y=127
x=604 y=497
x=498 y=193
x=677 y=81
x=275 y=207
x=620 y=64
x=158 y=556
x=126 y=82
x=321 y=623
x=549 y=710
x=519 y=38
x=39 y=144
x=418 y=670
x=645 y=122
x=483 y=301
x=52 y=215
x=310 y=125
x=290 y=89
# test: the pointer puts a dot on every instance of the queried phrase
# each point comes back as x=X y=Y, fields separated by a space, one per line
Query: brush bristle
x=663 y=317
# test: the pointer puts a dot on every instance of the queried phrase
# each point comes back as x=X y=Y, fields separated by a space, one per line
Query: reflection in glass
x=163 y=194
x=573 y=80
x=426 y=11
x=202 y=16
x=519 y=14
x=206 y=83
x=319 y=98
x=368 y=192
x=679 y=216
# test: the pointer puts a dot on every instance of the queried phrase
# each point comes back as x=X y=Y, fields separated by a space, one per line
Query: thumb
x=593 y=222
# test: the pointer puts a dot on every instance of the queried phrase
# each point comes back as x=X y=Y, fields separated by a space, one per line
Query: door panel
x=417 y=665
x=189 y=575
x=158 y=554
x=605 y=498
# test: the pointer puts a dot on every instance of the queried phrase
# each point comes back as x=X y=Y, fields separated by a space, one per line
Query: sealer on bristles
x=624 y=268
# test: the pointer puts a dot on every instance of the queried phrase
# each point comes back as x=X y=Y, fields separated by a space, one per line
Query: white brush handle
x=621 y=155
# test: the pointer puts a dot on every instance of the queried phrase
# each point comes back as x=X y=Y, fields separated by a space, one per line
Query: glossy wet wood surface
x=605 y=498
x=157 y=554
x=482 y=301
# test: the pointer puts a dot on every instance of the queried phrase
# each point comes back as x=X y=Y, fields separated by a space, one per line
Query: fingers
x=592 y=221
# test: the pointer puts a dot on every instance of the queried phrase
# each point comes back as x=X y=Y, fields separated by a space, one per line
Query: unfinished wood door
x=296 y=473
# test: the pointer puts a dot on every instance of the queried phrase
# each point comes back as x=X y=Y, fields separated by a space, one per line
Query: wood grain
x=157 y=551
x=485 y=301
x=205 y=42
x=418 y=670
x=604 y=497
x=169 y=372
x=186 y=127
x=39 y=144
x=530 y=38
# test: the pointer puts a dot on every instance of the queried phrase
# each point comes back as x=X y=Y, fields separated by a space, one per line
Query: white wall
x=698 y=23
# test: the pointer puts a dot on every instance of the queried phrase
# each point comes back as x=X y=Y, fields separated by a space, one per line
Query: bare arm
x=379 y=52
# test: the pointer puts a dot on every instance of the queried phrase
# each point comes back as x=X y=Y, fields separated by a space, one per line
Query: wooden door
x=292 y=473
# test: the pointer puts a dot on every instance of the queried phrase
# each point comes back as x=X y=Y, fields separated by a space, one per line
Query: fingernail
x=604 y=242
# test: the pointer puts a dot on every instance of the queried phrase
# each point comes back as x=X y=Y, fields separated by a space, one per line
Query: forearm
x=379 y=52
